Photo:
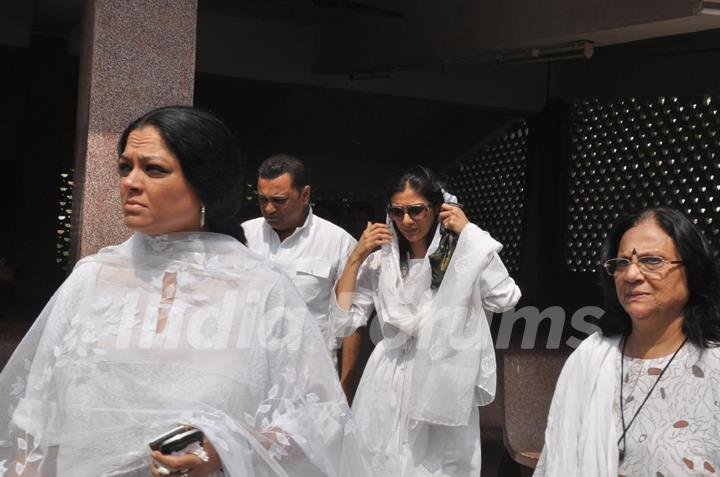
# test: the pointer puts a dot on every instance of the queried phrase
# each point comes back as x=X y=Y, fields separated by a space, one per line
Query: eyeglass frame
x=406 y=210
x=638 y=263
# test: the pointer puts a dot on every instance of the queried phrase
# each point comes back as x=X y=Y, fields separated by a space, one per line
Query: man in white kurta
x=311 y=250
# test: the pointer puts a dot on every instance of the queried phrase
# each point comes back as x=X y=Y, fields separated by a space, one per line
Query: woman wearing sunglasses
x=416 y=405
x=642 y=398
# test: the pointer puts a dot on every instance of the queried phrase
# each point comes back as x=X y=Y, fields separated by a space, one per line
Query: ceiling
x=336 y=124
x=274 y=115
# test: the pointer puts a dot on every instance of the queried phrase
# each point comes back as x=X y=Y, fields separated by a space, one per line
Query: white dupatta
x=454 y=350
x=580 y=438
x=240 y=358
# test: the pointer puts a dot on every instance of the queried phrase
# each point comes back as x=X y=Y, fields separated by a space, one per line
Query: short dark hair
x=209 y=157
x=424 y=182
x=701 y=323
x=279 y=164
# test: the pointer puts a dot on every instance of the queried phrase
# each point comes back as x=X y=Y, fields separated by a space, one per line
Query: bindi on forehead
x=646 y=238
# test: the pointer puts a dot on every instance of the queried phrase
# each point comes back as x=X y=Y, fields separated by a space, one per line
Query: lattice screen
x=629 y=154
x=491 y=187
x=64 y=220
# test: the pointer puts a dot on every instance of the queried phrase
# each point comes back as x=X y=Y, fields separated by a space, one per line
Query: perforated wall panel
x=491 y=187
x=629 y=154
x=64 y=220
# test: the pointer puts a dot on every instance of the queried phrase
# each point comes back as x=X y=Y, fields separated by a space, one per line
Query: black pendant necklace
x=622 y=379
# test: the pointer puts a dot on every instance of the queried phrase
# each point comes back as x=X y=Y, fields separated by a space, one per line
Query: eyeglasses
x=415 y=211
x=648 y=264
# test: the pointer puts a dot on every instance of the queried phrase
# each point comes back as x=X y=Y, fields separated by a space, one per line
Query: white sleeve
x=497 y=289
x=344 y=322
x=346 y=248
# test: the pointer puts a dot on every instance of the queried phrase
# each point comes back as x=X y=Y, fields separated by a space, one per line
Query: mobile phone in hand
x=176 y=439
x=180 y=441
x=155 y=443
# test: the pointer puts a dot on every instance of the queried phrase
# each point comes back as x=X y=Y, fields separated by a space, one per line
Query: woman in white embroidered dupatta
x=416 y=405
x=180 y=324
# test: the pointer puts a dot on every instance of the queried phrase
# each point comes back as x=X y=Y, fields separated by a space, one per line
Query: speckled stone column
x=136 y=55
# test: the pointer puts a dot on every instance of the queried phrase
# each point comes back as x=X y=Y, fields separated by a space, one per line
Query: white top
x=313 y=257
x=677 y=431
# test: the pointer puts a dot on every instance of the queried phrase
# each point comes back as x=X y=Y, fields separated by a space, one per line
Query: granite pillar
x=136 y=55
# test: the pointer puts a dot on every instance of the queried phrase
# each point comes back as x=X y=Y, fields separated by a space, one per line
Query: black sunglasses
x=415 y=211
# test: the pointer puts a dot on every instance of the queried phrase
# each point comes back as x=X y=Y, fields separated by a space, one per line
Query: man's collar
x=309 y=219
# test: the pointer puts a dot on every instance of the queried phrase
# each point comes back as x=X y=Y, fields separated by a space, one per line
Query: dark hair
x=423 y=181
x=209 y=157
x=279 y=164
x=701 y=323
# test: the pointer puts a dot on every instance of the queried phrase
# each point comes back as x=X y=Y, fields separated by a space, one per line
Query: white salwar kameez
x=416 y=404
x=239 y=356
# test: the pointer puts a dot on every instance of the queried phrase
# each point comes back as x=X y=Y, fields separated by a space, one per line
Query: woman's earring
x=202 y=217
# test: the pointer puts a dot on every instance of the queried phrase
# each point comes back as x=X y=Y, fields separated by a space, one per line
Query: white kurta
x=97 y=376
x=400 y=445
x=677 y=432
x=313 y=257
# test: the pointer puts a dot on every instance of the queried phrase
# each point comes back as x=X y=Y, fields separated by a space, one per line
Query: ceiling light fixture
x=566 y=51
x=710 y=8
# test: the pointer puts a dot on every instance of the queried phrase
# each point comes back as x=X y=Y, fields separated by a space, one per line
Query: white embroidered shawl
x=240 y=358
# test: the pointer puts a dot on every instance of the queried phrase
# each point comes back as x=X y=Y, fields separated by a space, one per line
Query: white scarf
x=240 y=357
x=580 y=438
x=454 y=351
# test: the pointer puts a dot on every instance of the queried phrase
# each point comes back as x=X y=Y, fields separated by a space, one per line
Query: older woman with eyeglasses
x=642 y=398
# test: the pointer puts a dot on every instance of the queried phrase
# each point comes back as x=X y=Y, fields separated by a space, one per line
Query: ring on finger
x=161 y=469
x=201 y=454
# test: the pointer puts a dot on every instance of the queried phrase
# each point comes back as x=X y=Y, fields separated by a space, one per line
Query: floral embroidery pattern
x=83 y=380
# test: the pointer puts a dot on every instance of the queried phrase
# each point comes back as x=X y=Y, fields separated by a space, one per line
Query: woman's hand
x=453 y=218
x=191 y=464
x=374 y=236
